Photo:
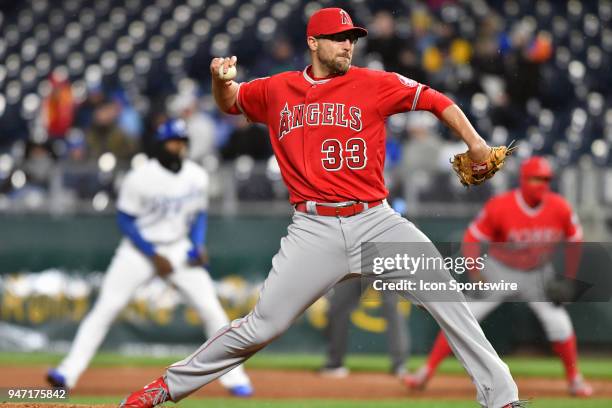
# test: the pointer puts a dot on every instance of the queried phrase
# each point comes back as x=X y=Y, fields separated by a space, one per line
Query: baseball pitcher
x=327 y=128
x=162 y=215
x=529 y=221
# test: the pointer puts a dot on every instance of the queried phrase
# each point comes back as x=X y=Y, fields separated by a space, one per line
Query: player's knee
x=559 y=330
x=560 y=333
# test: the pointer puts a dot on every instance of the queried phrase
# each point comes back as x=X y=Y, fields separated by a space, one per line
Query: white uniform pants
x=128 y=271
x=555 y=319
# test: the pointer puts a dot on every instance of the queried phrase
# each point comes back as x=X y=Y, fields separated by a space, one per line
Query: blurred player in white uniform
x=162 y=215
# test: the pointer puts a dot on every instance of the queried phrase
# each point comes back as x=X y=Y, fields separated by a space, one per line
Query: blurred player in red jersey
x=530 y=221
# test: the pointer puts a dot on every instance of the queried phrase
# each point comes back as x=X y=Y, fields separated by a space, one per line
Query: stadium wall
x=41 y=258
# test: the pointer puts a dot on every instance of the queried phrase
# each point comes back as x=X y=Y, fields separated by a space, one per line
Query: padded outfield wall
x=51 y=267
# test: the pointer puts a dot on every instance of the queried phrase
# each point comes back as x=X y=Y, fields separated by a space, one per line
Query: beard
x=171 y=161
x=335 y=64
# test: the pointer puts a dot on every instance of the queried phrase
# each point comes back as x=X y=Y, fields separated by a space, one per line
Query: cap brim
x=361 y=32
x=176 y=137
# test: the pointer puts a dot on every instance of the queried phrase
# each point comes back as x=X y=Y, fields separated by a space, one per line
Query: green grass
x=520 y=366
x=592 y=367
x=317 y=403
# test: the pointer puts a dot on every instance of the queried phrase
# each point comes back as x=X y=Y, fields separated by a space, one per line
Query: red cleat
x=580 y=388
x=151 y=395
x=418 y=380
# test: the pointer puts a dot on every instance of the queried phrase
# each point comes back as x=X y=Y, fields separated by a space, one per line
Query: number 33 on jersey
x=327 y=134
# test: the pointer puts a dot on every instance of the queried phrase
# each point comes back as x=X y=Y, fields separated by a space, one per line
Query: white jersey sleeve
x=201 y=179
x=130 y=200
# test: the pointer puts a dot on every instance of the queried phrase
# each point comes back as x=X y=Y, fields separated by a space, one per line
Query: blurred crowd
x=75 y=117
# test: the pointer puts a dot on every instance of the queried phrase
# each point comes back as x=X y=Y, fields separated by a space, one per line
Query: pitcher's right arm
x=225 y=92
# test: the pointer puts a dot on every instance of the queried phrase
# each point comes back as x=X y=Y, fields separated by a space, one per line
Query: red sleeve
x=573 y=230
x=573 y=246
x=433 y=101
x=396 y=93
x=480 y=230
x=470 y=249
x=252 y=99
x=483 y=226
x=573 y=252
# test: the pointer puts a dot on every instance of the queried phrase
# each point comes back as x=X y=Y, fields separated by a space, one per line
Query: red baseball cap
x=333 y=20
x=536 y=166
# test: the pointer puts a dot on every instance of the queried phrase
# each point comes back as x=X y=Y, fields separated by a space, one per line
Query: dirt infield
x=275 y=384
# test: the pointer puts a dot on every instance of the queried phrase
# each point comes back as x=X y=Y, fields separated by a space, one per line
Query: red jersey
x=329 y=135
x=530 y=233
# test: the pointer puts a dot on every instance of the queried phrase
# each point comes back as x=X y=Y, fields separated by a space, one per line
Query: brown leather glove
x=162 y=265
x=471 y=173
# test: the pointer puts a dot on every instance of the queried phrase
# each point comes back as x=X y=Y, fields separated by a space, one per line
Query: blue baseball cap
x=172 y=129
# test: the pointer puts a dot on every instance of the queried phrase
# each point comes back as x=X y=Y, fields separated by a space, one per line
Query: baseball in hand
x=229 y=75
